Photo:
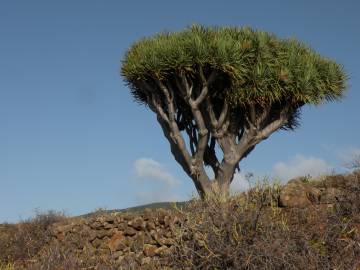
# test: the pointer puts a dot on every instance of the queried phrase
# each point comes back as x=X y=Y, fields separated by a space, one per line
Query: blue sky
x=71 y=137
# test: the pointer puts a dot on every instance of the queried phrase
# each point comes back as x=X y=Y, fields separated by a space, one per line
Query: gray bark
x=208 y=128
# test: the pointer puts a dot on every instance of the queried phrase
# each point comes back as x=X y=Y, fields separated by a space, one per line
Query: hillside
x=139 y=208
x=306 y=224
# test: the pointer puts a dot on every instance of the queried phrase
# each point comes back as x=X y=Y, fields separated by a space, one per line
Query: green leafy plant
x=227 y=87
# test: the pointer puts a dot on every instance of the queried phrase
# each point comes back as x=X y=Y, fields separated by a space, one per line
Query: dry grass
x=6 y=266
x=21 y=242
x=250 y=231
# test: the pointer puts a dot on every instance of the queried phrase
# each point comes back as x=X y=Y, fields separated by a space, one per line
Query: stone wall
x=145 y=240
x=131 y=239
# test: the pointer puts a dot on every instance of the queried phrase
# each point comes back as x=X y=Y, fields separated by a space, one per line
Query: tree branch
x=192 y=137
x=169 y=99
x=188 y=88
x=202 y=130
x=275 y=125
x=176 y=150
x=253 y=114
x=210 y=79
x=197 y=159
x=174 y=132
x=211 y=114
x=155 y=102
x=210 y=156
x=254 y=135
x=205 y=85
x=223 y=115
x=264 y=115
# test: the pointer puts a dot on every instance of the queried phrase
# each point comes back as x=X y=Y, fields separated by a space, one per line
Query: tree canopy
x=226 y=86
x=256 y=66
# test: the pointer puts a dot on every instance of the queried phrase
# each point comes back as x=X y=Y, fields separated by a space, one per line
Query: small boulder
x=96 y=225
x=146 y=261
x=115 y=243
x=96 y=243
x=150 y=225
x=63 y=229
x=162 y=251
x=137 y=242
x=116 y=255
x=166 y=241
x=161 y=214
x=149 y=250
x=110 y=218
x=103 y=233
x=298 y=193
x=137 y=223
x=331 y=195
x=130 y=231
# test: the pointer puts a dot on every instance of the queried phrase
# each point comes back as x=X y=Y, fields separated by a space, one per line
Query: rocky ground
x=141 y=238
x=154 y=238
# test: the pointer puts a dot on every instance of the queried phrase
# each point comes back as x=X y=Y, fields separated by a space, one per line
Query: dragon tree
x=219 y=91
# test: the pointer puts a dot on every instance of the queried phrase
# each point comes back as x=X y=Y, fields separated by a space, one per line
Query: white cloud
x=239 y=183
x=149 y=169
x=300 y=166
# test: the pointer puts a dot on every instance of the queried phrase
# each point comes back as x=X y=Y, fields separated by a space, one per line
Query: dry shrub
x=55 y=258
x=60 y=257
x=22 y=241
x=354 y=164
x=250 y=231
x=6 y=266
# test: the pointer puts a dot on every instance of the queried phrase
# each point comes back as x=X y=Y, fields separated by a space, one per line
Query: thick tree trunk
x=233 y=154
x=225 y=177
x=235 y=132
x=219 y=187
x=202 y=184
x=216 y=189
